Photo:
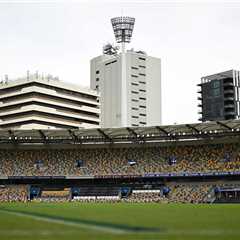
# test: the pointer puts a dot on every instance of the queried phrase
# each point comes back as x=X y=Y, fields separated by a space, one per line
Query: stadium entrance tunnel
x=82 y=223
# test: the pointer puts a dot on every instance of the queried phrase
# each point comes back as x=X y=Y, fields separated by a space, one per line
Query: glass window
x=216 y=84
x=216 y=92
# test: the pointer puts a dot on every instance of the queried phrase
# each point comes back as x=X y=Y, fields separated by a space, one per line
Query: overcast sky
x=193 y=39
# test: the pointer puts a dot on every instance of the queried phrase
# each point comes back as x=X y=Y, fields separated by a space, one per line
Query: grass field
x=118 y=221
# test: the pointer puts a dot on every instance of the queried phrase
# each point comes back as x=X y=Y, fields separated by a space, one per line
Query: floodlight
x=123 y=28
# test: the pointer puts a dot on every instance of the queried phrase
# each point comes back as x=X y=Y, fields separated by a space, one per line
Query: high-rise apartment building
x=138 y=101
x=37 y=102
x=220 y=96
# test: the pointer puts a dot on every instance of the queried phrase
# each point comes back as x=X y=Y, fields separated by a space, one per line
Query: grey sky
x=193 y=39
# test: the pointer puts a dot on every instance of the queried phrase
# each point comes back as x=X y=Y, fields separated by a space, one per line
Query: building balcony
x=228 y=87
x=228 y=98
x=230 y=117
x=199 y=98
x=228 y=83
x=226 y=103
x=229 y=106
x=230 y=113
x=228 y=91
x=199 y=105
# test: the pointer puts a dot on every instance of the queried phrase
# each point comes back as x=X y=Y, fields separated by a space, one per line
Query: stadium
x=192 y=163
x=65 y=170
x=96 y=163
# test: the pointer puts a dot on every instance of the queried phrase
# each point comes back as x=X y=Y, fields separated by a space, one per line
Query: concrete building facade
x=38 y=102
x=140 y=95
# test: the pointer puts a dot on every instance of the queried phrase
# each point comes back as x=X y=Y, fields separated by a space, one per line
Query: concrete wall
x=154 y=91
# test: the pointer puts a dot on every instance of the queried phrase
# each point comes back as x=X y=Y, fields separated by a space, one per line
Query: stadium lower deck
x=187 y=163
x=132 y=191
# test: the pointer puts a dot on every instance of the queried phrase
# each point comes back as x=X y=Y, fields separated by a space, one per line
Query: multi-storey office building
x=44 y=102
x=220 y=96
x=142 y=93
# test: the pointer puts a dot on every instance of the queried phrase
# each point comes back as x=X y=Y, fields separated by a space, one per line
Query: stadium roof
x=182 y=132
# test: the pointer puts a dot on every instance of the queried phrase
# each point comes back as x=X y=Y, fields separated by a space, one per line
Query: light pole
x=123 y=28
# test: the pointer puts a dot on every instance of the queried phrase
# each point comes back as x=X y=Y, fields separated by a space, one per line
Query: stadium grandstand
x=187 y=163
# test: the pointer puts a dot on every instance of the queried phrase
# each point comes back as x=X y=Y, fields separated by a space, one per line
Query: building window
x=135 y=68
x=134 y=125
x=110 y=62
x=142 y=90
x=135 y=76
x=142 y=123
x=97 y=79
x=142 y=74
x=141 y=58
x=142 y=114
x=134 y=100
x=216 y=92
x=216 y=84
x=134 y=92
x=141 y=66
x=134 y=108
x=97 y=72
x=142 y=82
x=142 y=98
x=134 y=84
x=141 y=106
x=134 y=116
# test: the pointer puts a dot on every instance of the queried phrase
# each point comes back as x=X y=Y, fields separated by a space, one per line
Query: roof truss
x=192 y=128
x=118 y=135
x=106 y=136
x=224 y=125
x=160 y=129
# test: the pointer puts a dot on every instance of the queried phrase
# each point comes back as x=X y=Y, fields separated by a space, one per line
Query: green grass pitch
x=118 y=221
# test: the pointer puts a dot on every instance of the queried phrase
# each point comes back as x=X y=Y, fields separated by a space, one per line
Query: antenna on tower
x=36 y=74
x=28 y=75
x=6 y=79
x=109 y=49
